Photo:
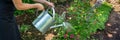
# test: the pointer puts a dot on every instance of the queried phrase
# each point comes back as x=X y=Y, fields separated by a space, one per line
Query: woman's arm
x=24 y=6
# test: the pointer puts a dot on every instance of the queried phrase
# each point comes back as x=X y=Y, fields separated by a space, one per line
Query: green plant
x=84 y=21
x=24 y=28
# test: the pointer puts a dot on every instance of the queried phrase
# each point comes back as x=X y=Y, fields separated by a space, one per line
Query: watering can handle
x=53 y=12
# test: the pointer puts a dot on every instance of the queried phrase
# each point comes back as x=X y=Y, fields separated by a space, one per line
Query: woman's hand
x=49 y=3
x=39 y=6
x=45 y=2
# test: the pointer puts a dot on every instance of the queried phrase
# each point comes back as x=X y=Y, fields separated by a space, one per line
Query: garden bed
x=99 y=25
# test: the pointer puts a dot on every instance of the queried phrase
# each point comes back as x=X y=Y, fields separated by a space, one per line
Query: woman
x=8 y=26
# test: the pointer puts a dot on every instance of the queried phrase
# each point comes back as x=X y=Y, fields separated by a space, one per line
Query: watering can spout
x=55 y=26
x=65 y=25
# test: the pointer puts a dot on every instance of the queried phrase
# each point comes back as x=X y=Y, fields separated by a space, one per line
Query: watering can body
x=44 y=21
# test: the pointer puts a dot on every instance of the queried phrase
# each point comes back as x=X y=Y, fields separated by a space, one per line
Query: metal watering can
x=46 y=21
